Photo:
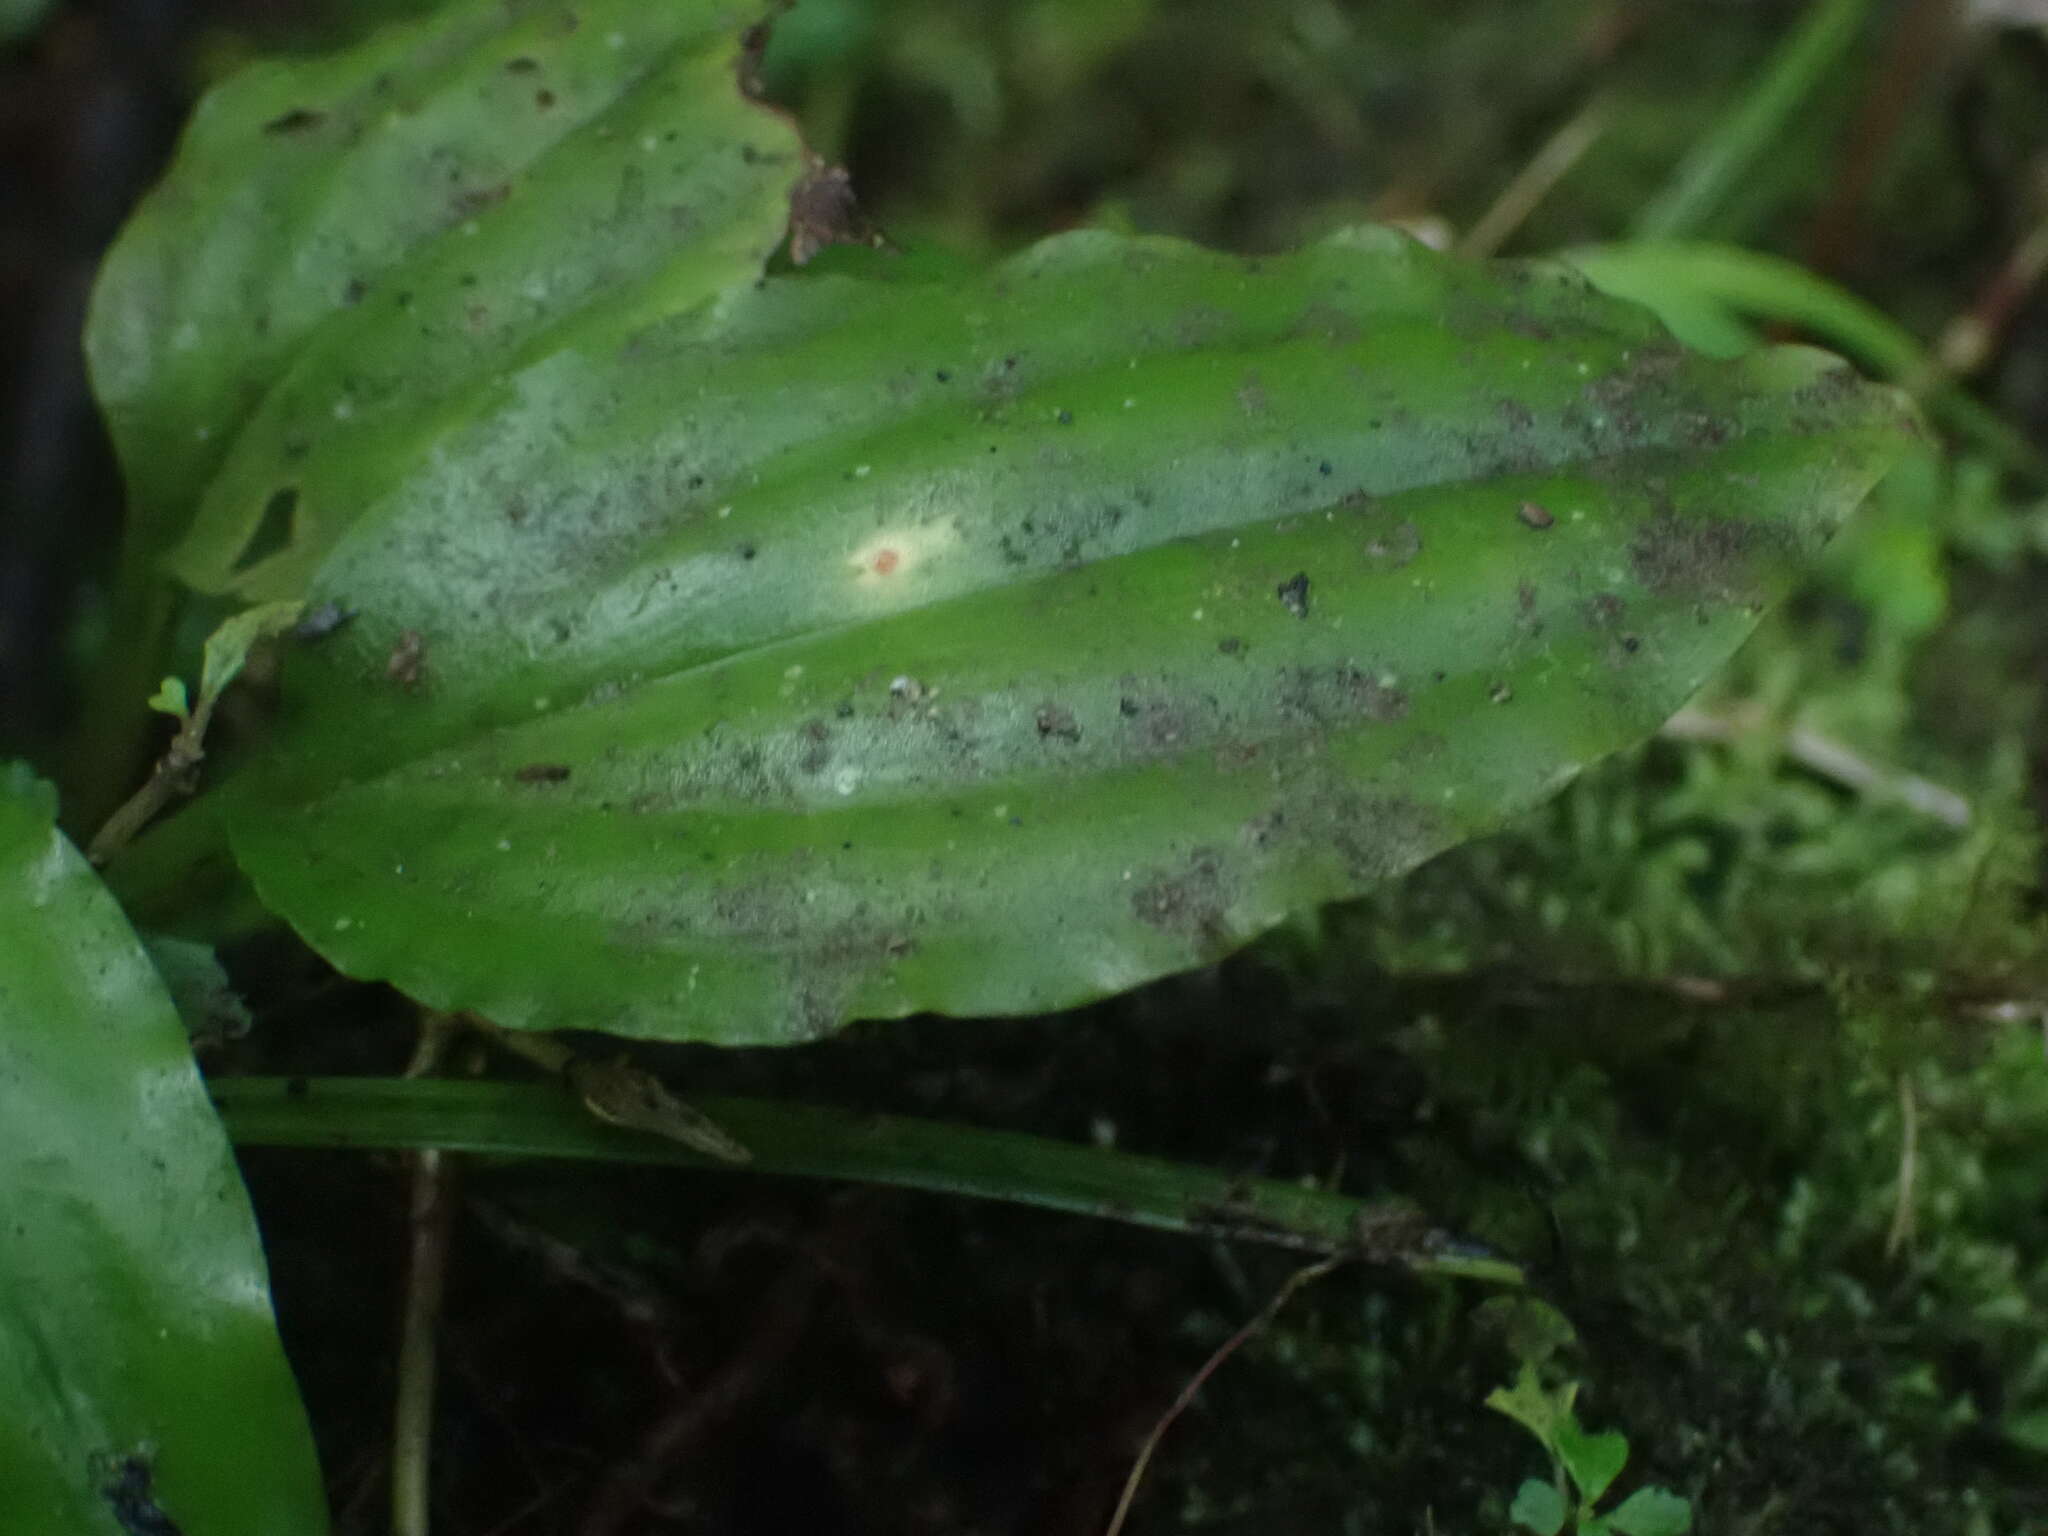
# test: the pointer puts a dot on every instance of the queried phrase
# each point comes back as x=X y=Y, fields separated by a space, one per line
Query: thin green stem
x=1756 y=126
x=521 y=1120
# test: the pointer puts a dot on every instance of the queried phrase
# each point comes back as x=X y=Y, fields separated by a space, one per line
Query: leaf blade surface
x=848 y=648
x=138 y=1358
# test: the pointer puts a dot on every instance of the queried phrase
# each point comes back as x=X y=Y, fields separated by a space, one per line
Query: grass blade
x=519 y=1120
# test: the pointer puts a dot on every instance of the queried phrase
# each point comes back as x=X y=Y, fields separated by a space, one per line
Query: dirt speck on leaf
x=1188 y=901
x=406 y=660
x=542 y=773
x=1057 y=723
x=817 y=748
x=1338 y=695
x=1293 y=594
x=1535 y=515
x=471 y=201
x=1695 y=556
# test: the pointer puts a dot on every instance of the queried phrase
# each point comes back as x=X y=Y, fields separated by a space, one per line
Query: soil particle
x=1293 y=594
x=1535 y=515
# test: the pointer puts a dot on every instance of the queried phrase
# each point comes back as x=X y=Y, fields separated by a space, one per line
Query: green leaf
x=171 y=699
x=1538 y=1507
x=1651 y=1512
x=1546 y=1412
x=228 y=647
x=849 y=649
x=350 y=253
x=1592 y=1461
x=139 y=1363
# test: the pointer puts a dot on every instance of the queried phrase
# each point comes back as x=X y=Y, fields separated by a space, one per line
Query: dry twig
x=1301 y=1277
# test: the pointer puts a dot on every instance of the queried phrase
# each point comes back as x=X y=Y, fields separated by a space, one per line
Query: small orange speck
x=886 y=561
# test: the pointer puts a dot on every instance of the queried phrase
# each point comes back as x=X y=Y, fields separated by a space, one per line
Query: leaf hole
x=274 y=532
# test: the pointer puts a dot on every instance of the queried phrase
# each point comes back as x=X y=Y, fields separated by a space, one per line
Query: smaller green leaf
x=1532 y=1330
x=171 y=699
x=227 y=648
x=1594 y=1461
x=1538 y=1507
x=1545 y=1412
x=1651 y=1512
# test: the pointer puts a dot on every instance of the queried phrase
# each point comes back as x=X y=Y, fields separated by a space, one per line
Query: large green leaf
x=140 y=1373
x=857 y=645
x=351 y=250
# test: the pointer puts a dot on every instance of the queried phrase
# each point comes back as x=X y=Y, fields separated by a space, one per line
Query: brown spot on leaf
x=823 y=211
x=1535 y=515
x=542 y=773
